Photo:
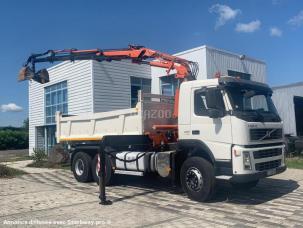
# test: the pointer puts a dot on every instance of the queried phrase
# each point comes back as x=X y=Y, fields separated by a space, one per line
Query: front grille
x=268 y=165
x=261 y=134
x=267 y=153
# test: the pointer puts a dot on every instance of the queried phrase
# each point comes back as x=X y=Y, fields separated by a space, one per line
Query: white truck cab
x=226 y=128
x=237 y=122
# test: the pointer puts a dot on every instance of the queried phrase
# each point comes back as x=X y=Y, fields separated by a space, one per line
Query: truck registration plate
x=271 y=172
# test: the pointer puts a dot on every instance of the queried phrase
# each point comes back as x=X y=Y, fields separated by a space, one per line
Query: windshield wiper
x=258 y=115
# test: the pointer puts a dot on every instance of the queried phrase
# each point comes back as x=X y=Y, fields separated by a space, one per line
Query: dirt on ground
x=10 y=155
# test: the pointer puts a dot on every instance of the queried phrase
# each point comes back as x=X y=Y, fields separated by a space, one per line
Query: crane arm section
x=137 y=54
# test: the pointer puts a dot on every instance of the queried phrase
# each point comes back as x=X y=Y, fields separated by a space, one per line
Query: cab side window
x=201 y=108
x=200 y=103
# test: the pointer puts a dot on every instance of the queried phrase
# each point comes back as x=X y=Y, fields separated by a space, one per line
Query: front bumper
x=243 y=178
x=269 y=160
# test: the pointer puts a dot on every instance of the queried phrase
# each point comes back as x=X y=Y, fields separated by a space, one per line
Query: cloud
x=274 y=31
x=11 y=107
x=224 y=12
x=249 y=27
x=297 y=20
x=276 y=2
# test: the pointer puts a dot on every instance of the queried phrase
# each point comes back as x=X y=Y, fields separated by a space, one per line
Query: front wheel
x=198 y=178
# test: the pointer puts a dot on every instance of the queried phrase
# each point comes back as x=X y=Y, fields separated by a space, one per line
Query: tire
x=109 y=173
x=81 y=167
x=193 y=170
x=246 y=185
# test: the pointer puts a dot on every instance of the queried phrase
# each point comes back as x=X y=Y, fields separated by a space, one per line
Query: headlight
x=246 y=160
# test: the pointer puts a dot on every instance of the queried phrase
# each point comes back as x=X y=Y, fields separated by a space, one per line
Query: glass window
x=55 y=100
x=137 y=84
x=200 y=103
x=64 y=96
x=168 y=85
x=59 y=96
x=252 y=104
x=47 y=99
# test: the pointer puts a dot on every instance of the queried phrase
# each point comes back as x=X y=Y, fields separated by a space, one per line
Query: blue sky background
x=170 y=26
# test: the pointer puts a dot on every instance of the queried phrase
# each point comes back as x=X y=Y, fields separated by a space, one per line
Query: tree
x=25 y=125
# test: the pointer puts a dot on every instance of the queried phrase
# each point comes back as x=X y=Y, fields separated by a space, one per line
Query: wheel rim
x=194 y=179
x=79 y=167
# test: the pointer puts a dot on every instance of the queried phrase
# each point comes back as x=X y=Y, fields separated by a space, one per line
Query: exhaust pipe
x=26 y=73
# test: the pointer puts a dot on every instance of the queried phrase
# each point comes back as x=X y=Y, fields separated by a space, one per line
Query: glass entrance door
x=50 y=137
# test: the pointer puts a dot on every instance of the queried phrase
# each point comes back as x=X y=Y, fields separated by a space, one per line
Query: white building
x=212 y=61
x=288 y=100
x=82 y=87
x=90 y=86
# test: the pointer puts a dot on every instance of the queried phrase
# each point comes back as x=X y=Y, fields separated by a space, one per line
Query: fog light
x=246 y=160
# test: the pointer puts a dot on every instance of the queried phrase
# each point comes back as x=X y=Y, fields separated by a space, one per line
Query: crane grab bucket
x=26 y=73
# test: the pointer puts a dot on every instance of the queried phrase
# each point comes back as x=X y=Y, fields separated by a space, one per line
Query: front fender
x=194 y=147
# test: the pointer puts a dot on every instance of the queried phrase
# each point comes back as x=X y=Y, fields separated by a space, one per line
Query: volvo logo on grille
x=268 y=134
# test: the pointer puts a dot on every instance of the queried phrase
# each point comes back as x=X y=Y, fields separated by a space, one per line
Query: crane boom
x=185 y=70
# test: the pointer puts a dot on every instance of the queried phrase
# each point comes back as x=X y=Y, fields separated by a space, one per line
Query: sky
x=269 y=30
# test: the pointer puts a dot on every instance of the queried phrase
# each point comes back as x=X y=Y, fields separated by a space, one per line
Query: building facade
x=82 y=87
x=89 y=86
x=288 y=100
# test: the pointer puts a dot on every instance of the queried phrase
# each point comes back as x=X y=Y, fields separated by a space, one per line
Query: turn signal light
x=237 y=153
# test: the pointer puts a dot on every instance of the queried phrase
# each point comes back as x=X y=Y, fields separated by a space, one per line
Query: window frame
x=54 y=103
x=168 y=80
x=143 y=83
x=196 y=93
x=204 y=90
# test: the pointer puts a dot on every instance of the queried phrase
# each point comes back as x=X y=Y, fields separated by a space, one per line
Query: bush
x=294 y=146
x=10 y=139
x=57 y=160
x=58 y=154
x=39 y=155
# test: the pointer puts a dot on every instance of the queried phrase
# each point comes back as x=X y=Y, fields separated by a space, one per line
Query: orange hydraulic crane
x=185 y=70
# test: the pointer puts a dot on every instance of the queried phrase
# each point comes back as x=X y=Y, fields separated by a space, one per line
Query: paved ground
x=55 y=197
x=23 y=166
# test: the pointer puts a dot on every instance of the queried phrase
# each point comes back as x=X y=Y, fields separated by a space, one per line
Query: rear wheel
x=197 y=178
x=109 y=173
x=81 y=167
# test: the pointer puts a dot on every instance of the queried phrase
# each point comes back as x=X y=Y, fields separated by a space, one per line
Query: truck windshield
x=253 y=105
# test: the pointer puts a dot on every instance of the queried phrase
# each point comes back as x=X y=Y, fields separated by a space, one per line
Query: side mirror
x=215 y=113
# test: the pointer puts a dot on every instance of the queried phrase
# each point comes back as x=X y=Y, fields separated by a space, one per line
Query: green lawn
x=295 y=162
x=7 y=172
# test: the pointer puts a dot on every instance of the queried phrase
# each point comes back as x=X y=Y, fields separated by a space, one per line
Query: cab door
x=211 y=123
